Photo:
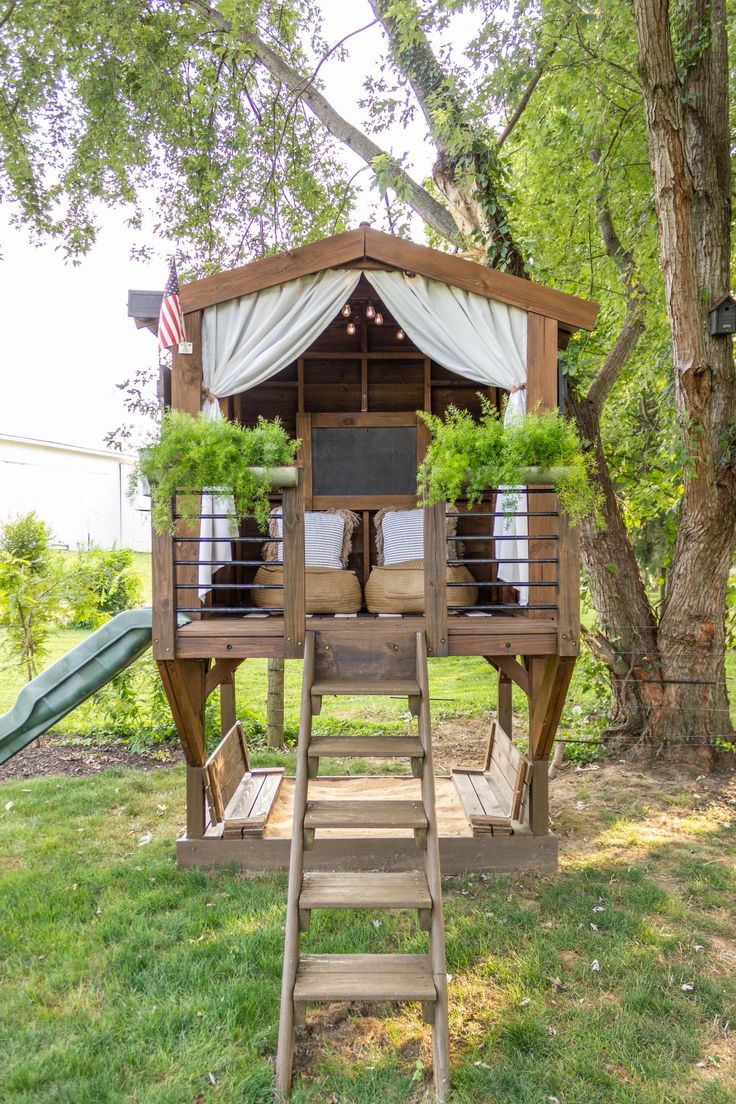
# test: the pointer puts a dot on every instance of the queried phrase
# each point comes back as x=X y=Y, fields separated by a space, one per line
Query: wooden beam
x=435 y=578
x=546 y=705
x=568 y=600
x=294 y=573
x=222 y=670
x=164 y=611
x=541 y=394
x=186 y=369
x=184 y=683
x=366 y=245
x=270 y=271
x=489 y=282
x=196 y=805
x=512 y=669
x=228 y=712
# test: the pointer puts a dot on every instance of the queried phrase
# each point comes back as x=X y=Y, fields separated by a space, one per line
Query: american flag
x=170 y=321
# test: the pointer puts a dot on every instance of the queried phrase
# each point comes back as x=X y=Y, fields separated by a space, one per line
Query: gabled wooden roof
x=365 y=248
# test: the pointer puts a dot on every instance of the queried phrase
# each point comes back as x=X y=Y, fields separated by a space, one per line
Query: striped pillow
x=324 y=539
x=403 y=536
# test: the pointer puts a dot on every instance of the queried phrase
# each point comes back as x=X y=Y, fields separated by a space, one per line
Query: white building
x=81 y=493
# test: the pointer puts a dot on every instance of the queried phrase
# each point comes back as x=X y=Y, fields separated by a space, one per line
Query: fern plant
x=466 y=457
x=192 y=455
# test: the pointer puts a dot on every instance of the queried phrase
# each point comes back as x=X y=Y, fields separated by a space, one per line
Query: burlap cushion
x=399 y=588
x=328 y=590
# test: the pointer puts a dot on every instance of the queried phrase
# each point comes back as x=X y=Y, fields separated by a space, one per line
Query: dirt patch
x=57 y=757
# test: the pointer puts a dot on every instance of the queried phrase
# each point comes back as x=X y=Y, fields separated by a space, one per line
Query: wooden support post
x=228 y=711
x=542 y=383
x=275 y=703
x=196 y=807
x=186 y=394
x=539 y=799
x=435 y=578
x=294 y=577
x=568 y=600
x=164 y=597
x=184 y=683
x=505 y=710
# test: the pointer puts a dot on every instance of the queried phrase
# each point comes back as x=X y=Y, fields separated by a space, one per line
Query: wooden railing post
x=164 y=596
x=568 y=595
x=292 y=507
x=435 y=578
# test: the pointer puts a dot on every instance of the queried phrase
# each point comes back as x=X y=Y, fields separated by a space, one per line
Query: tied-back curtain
x=511 y=524
x=244 y=342
x=476 y=337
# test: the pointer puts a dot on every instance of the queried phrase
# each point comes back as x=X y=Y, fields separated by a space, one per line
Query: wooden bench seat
x=493 y=798
x=240 y=798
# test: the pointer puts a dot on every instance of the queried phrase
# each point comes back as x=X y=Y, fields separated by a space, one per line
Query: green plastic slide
x=73 y=678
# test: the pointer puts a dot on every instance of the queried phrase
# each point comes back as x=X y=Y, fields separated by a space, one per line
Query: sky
x=60 y=364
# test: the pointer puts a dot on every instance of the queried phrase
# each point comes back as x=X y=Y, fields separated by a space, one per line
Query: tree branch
x=523 y=102
x=633 y=324
x=425 y=205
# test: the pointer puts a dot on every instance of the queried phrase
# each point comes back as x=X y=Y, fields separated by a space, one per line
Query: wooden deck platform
x=371 y=848
x=253 y=636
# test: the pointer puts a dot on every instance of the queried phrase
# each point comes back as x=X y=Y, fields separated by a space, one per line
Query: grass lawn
x=126 y=979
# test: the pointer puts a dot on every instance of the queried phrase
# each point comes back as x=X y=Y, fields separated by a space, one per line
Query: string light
x=400 y=335
x=346 y=311
x=351 y=328
x=370 y=310
x=378 y=319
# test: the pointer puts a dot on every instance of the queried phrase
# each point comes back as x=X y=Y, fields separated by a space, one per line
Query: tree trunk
x=688 y=131
x=275 y=703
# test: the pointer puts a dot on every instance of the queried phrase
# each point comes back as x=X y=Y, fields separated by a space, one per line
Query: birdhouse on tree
x=723 y=316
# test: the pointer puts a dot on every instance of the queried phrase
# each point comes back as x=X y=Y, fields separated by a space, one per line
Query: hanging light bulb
x=400 y=335
x=370 y=310
x=346 y=311
x=378 y=318
x=351 y=328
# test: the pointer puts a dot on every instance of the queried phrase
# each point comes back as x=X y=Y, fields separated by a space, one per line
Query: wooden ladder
x=339 y=665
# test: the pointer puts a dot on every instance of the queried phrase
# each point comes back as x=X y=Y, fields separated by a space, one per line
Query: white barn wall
x=81 y=493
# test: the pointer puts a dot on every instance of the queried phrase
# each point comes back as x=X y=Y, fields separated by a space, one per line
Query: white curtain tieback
x=208 y=395
x=517 y=387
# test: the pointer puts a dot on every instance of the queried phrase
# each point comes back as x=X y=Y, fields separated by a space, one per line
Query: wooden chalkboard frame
x=305 y=423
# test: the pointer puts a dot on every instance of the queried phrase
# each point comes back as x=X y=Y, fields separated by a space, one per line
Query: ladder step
x=365 y=814
x=327 y=890
x=379 y=747
x=367 y=687
x=369 y=977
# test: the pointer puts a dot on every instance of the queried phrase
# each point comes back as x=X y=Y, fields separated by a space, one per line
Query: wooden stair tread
x=366 y=687
x=364 y=977
x=365 y=814
x=325 y=889
x=382 y=747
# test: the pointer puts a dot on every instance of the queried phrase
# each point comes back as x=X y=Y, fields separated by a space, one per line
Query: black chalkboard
x=364 y=460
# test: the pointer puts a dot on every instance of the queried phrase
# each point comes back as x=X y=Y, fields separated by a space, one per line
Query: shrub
x=466 y=457
x=27 y=538
x=111 y=584
x=194 y=454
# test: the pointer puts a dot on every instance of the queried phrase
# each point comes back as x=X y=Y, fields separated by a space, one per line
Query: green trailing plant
x=466 y=457
x=191 y=455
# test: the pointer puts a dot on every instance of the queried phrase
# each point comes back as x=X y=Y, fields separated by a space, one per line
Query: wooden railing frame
x=292 y=508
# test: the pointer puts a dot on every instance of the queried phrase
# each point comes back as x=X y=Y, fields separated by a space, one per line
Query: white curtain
x=511 y=504
x=467 y=333
x=246 y=341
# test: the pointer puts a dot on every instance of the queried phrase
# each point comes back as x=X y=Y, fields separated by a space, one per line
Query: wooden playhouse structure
x=350 y=390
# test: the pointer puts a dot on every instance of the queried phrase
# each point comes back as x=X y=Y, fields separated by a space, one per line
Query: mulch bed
x=59 y=757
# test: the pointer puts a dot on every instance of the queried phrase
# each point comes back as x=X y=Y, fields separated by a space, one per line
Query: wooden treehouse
x=345 y=339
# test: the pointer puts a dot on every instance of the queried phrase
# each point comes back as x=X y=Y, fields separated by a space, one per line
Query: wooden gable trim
x=373 y=247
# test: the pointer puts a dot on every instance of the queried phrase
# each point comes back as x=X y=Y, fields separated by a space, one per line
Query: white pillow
x=323 y=538
x=403 y=536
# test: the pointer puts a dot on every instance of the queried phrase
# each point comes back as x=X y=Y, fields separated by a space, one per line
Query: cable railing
x=532 y=584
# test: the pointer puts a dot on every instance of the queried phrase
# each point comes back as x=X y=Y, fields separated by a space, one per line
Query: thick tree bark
x=687 y=125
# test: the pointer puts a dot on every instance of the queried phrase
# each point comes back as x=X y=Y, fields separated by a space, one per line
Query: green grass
x=125 y=978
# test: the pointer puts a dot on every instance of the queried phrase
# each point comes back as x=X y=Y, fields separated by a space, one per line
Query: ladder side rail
x=440 y=1033
x=285 y=1052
